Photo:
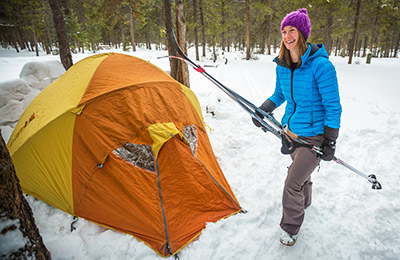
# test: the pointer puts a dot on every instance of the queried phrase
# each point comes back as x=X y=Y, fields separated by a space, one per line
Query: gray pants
x=298 y=186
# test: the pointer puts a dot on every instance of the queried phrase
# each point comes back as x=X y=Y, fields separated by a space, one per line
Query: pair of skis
x=271 y=124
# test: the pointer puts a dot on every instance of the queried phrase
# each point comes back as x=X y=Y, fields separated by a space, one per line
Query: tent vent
x=190 y=134
x=139 y=155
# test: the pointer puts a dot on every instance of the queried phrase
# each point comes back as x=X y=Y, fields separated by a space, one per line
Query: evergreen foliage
x=93 y=24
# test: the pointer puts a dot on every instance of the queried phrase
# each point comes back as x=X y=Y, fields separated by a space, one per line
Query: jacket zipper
x=291 y=90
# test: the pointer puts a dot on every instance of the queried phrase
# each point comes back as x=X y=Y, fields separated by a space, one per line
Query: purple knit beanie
x=300 y=20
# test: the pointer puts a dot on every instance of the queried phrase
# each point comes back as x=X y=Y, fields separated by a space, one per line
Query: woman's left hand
x=328 y=150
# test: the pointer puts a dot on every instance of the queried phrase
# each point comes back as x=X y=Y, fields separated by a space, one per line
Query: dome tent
x=117 y=141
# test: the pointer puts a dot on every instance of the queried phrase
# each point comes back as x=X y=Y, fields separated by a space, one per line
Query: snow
x=347 y=219
x=12 y=239
x=40 y=74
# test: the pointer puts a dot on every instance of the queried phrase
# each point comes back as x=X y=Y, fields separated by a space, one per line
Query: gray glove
x=268 y=106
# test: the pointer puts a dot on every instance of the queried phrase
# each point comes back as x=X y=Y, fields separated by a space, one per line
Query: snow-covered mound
x=17 y=94
x=40 y=74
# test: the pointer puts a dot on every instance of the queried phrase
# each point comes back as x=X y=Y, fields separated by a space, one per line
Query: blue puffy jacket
x=311 y=92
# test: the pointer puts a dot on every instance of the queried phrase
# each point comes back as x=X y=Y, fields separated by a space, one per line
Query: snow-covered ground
x=347 y=219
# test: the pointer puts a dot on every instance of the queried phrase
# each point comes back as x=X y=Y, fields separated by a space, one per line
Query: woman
x=306 y=80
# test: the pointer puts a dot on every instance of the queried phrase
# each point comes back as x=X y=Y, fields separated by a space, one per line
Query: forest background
x=347 y=28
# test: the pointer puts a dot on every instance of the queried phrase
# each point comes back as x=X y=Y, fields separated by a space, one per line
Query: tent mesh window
x=139 y=155
x=190 y=134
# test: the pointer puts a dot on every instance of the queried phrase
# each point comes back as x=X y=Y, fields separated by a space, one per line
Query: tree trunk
x=337 y=46
x=265 y=29
x=263 y=36
x=396 y=46
x=344 y=46
x=374 y=33
x=353 y=38
x=234 y=36
x=123 y=37
x=48 y=35
x=167 y=13
x=20 y=39
x=183 y=71
x=214 y=53
x=34 y=33
x=148 y=41
x=15 y=213
x=196 y=35
x=59 y=24
x=131 y=29
x=223 y=24
x=229 y=40
x=328 y=32
x=365 y=46
x=247 y=29
x=203 y=33
x=14 y=41
x=359 y=42
x=28 y=45
x=270 y=27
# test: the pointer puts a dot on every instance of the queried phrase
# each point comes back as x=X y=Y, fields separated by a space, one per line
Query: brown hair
x=284 y=54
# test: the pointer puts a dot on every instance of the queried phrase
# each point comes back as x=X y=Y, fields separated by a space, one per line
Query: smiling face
x=290 y=37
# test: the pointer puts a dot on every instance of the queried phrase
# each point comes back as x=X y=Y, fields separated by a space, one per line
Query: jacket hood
x=313 y=51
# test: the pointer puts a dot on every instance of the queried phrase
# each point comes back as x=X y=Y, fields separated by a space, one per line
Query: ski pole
x=277 y=128
x=371 y=178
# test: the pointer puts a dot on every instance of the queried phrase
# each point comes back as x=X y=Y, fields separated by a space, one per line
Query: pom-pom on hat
x=300 y=20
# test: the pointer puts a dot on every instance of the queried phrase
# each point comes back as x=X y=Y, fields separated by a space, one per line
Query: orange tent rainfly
x=117 y=141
